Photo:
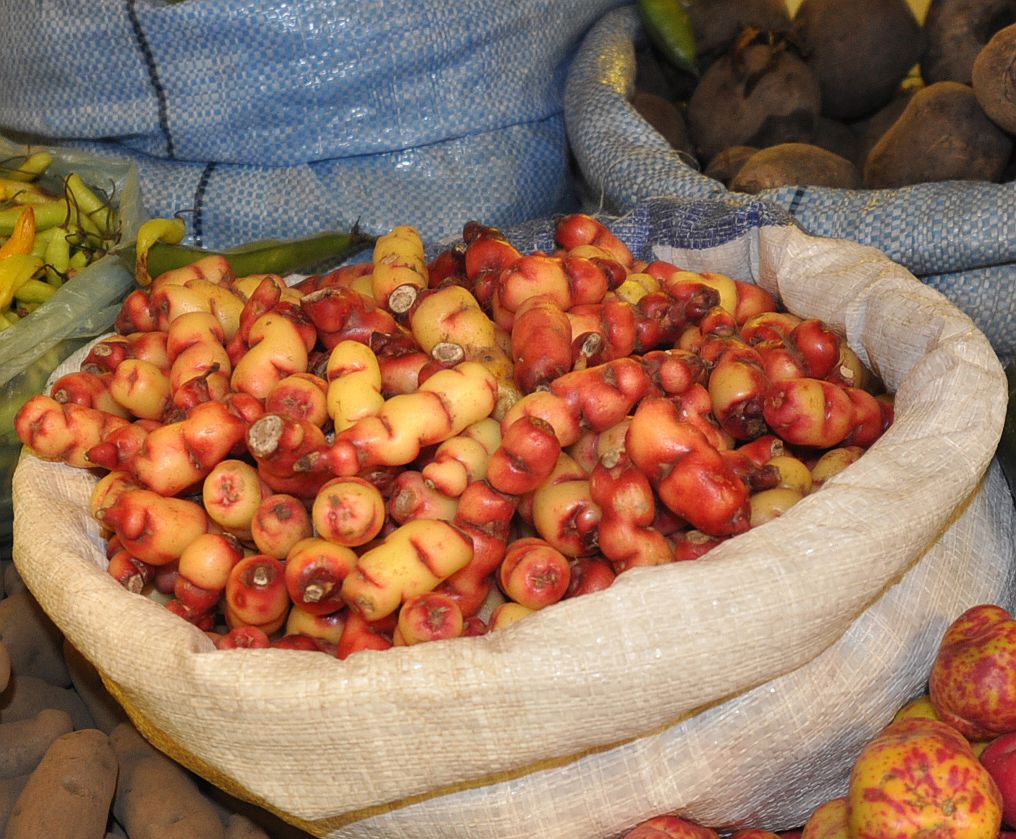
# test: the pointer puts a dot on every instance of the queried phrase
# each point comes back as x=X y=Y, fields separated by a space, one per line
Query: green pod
x=669 y=28
x=34 y=291
x=270 y=256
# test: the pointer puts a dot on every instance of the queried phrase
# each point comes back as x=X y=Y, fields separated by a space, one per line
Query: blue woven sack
x=264 y=118
x=958 y=237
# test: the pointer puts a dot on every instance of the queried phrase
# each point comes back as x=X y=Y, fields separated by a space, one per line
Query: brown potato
x=795 y=164
x=992 y=79
x=725 y=165
x=25 y=696
x=24 y=743
x=942 y=135
x=756 y=96
x=69 y=793
x=859 y=50
x=956 y=31
x=33 y=642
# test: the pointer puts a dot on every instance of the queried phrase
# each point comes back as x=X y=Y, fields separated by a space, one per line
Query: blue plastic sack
x=265 y=118
x=959 y=237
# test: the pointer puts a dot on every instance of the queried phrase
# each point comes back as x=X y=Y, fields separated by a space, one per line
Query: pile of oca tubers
x=406 y=449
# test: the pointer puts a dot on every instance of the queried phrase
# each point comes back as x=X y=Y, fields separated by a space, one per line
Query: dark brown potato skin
x=795 y=164
x=754 y=97
x=942 y=135
x=956 y=31
x=994 y=79
x=716 y=24
x=665 y=117
x=860 y=51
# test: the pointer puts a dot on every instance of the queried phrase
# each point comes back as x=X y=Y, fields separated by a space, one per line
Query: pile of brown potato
x=71 y=762
x=855 y=94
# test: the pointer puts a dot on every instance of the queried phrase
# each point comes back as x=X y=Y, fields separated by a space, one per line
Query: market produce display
x=760 y=98
x=169 y=672
x=270 y=472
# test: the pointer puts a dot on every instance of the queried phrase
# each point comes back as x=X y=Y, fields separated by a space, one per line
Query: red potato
x=279 y=522
x=737 y=388
x=141 y=389
x=278 y=443
x=541 y=342
x=578 y=229
x=691 y=477
x=360 y=634
x=833 y=462
x=429 y=616
x=603 y=395
x=505 y=614
x=528 y=453
x=179 y=455
x=343 y=314
x=231 y=495
x=443 y=406
x=628 y=509
x=589 y=574
x=88 y=389
x=246 y=637
x=413 y=497
x=348 y=511
x=534 y=573
x=129 y=571
x=808 y=412
x=154 y=528
x=485 y=516
x=63 y=431
x=414 y=558
x=314 y=571
x=565 y=515
x=670 y=827
x=256 y=592
x=563 y=416
x=300 y=396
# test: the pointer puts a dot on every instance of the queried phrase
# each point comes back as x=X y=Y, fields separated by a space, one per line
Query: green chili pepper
x=669 y=28
x=268 y=256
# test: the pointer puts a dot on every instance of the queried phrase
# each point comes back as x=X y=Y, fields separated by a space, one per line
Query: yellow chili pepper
x=15 y=271
x=30 y=167
x=22 y=237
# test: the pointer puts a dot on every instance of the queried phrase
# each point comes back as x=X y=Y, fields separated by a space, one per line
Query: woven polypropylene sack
x=268 y=118
x=958 y=237
x=735 y=689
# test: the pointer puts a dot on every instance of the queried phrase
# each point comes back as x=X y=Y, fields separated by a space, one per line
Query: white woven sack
x=734 y=689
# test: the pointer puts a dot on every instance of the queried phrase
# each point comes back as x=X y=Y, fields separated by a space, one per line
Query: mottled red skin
x=779 y=361
x=669 y=827
x=129 y=571
x=752 y=301
x=754 y=833
x=920 y=777
x=120 y=445
x=737 y=388
x=817 y=346
x=194 y=597
x=628 y=509
x=360 y=634
x=340 y=277
x=136 y=313
x=263 y=299
x=604 y=395
x=534 y=573
x=278 y=442
x=83 y=388
x=296 y=641
x=341 y=314
x=589 y=574
x=527 y=455
x=999 y=758
x=791 y=413
x=582 y=229
x=589 y=279
x=256 y=590
x=689 y=474
x=613 y=322
x=244 y=638
x=202 y=620
x=302 y=396
x=869 y=419
x=485 y=515
x=718 y=322
x=541 y=339
x=972 y=684
x=674 y=371
x=693 y=544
